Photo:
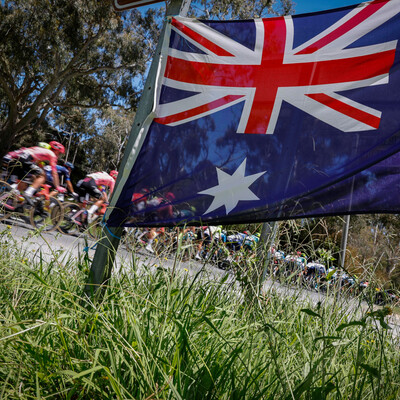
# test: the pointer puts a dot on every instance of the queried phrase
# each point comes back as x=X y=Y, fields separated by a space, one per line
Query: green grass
x=157 y=337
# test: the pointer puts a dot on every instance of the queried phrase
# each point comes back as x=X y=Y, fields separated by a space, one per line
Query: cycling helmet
x=44 y=145
x=114 y=174
x=57 y=146
x=69 y=165
x=170 y=196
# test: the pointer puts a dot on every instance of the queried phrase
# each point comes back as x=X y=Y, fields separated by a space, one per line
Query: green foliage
x=188 y=336
x=60 y=55
x=374 y=246
x=239 y=9
x=315 y=237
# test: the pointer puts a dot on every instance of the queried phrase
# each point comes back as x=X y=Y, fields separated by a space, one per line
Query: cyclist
x=139 y=200
x=31 y=160
x=164 y=211
x=94 y=185
x=186 y=238
x=151 y=235
x=250 y=241
x=64 y=169
x=205 y=236
x=235 y=241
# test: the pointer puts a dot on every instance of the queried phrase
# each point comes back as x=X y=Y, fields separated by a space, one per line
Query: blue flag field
x=270 y=119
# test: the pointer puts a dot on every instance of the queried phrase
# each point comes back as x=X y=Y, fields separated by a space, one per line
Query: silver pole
x=345 y=234
x=267 y=237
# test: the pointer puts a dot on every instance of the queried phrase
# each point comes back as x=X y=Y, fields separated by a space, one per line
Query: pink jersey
x=103 y=179
x=39 y=154
x=17 y=153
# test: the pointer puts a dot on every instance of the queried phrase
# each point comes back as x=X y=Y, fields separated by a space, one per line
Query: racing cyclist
x=31 y=160
x=64 y=169
x=94 y=185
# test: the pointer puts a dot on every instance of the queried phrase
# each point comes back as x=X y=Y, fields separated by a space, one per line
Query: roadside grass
x=157 y=336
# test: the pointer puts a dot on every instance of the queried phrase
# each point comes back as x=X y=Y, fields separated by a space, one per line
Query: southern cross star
x=231 y=189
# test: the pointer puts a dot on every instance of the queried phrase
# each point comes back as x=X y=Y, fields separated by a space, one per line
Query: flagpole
x=267 y=237
x=104 y=257
x=346 y=222
x=345 y=234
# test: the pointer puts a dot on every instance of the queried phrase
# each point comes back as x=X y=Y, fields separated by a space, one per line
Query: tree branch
x=105 y=68
x=87 y=106
x=63 y=76
x=82 y=50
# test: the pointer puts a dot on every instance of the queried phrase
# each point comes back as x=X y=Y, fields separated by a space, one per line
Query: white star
x=231 y=189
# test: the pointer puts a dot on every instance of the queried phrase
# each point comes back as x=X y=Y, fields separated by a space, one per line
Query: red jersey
x=103 y=179
x=139 y=197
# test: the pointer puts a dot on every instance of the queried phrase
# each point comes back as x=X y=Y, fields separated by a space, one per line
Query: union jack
x=308 y=76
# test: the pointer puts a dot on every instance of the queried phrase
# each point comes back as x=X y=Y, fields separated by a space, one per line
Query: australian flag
x=270 y=119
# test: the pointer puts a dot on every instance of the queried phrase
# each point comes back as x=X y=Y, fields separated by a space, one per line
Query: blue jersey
x=251 y=240
x=62 y=171
x=236 y=238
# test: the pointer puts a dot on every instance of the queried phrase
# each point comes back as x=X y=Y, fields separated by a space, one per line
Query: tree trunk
x=7 y=137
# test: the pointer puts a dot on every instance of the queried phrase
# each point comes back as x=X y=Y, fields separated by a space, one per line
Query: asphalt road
x=48 y=245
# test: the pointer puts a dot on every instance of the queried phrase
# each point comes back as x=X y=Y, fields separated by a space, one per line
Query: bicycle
x=8 y=200
x=43 y=212
x=68 y=225
x=72 y=219
x=47 y=211
x=163 y=245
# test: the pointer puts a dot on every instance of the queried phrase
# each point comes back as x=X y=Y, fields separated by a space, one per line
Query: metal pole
x=345 y=234
x=346 y=223
x=267 y=237
x=107 y=247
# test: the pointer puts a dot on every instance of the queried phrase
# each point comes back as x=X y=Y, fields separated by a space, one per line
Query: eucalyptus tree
x=104 y=149
x=57 y=55
x=241 y=9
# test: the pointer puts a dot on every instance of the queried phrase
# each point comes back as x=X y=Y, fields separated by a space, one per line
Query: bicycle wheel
x=67 y=225
x=47 y=214
x=8 y=201
x=95 y=228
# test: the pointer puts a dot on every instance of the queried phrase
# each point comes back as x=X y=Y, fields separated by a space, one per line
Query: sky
x=306 y=6
x=301 y=6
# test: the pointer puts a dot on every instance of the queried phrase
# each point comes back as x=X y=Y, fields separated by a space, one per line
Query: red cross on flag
x=122 y=5
x=309 y=76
